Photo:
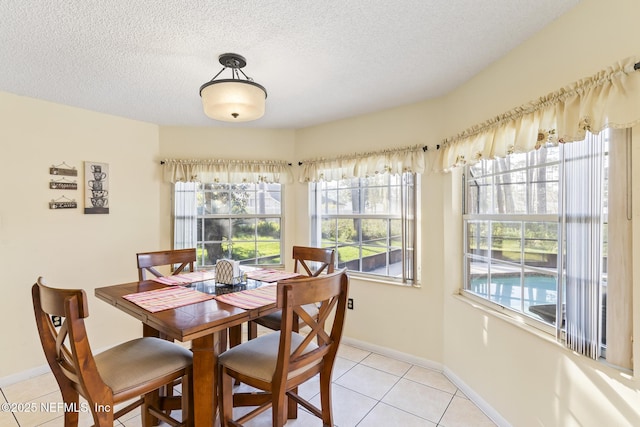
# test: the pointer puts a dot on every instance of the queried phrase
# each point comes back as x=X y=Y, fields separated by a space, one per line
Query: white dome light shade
x=233 y=100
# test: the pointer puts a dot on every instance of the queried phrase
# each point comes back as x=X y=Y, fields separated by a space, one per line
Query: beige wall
x=527 y=378
x=67 y=247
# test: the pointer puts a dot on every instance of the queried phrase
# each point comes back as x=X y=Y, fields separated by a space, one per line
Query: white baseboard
x=475 y=398
x=33 y=372
x=394 y=354
x=24 y=375
x=426 y=363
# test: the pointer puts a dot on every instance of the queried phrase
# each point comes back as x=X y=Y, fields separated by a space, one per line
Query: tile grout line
x=444 y=412
x=424 y=385
x=378 y=401
x=12 y=413
x=432 y=387
x=341 y=375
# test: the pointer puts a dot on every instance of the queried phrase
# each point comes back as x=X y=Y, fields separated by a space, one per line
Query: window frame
x=407 y=195
x=201 y=218
x=522 y=219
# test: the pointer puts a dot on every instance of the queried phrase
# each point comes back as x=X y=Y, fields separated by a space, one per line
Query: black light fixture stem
x=219 y=72
x=235 y=74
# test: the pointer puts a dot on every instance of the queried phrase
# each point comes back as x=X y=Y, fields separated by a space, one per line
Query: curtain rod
x=162 y=162
x=426 y=147
x=384 y=152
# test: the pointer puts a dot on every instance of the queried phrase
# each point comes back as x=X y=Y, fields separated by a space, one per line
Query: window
x=370 y=222
x=234 y=221
x=536 y=232
x=512 y=230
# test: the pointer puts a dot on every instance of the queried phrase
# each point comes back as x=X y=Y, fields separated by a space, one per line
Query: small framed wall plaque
x=63 y=169
x=63 y=203
x=63 y=184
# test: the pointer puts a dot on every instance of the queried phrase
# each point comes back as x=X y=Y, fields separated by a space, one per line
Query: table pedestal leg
x=205 y=396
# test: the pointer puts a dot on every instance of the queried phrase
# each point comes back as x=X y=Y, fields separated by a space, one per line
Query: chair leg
x=235 y=336
x=226 y=397
x=223 y=341
x=187 y=399
x=150 y=400
x=292 y=406
x=167 y=391
x=71 y=398
x=102 y=418
x=252 y=330
x=279 y=408
x=325 y=398
x=71 y=418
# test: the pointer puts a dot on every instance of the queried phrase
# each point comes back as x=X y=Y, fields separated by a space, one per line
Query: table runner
x=266 y=275
x=186 y=278
x=251 y=298
x=166 y=298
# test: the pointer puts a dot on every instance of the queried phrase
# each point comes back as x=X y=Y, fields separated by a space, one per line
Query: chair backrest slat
x=304 y=255
x=181 y=258
x=53 y=303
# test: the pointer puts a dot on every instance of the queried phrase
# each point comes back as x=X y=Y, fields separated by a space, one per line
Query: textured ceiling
x=319 y=60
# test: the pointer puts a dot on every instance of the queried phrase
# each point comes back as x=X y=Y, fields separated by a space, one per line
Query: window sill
x=382 y=280
x=540 y=330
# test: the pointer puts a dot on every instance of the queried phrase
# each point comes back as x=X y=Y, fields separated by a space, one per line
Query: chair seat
x=273 y=320
x=257 y=358
x=141 y=360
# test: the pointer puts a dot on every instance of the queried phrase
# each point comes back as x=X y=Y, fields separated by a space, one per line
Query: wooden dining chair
x=134 y=369
x=179 y=259
x=278 y=363
x=307 y=261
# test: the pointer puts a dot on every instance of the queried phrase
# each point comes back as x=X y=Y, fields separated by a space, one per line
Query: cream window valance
x=227 y=171
x=609 y=99
x=362 y=165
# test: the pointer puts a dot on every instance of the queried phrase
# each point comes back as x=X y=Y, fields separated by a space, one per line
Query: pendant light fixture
x=234 y=99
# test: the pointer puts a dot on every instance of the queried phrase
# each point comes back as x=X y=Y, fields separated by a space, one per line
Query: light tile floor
x=369 y=390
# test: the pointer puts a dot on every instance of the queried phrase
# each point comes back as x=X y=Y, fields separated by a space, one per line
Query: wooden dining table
x=202 y=323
